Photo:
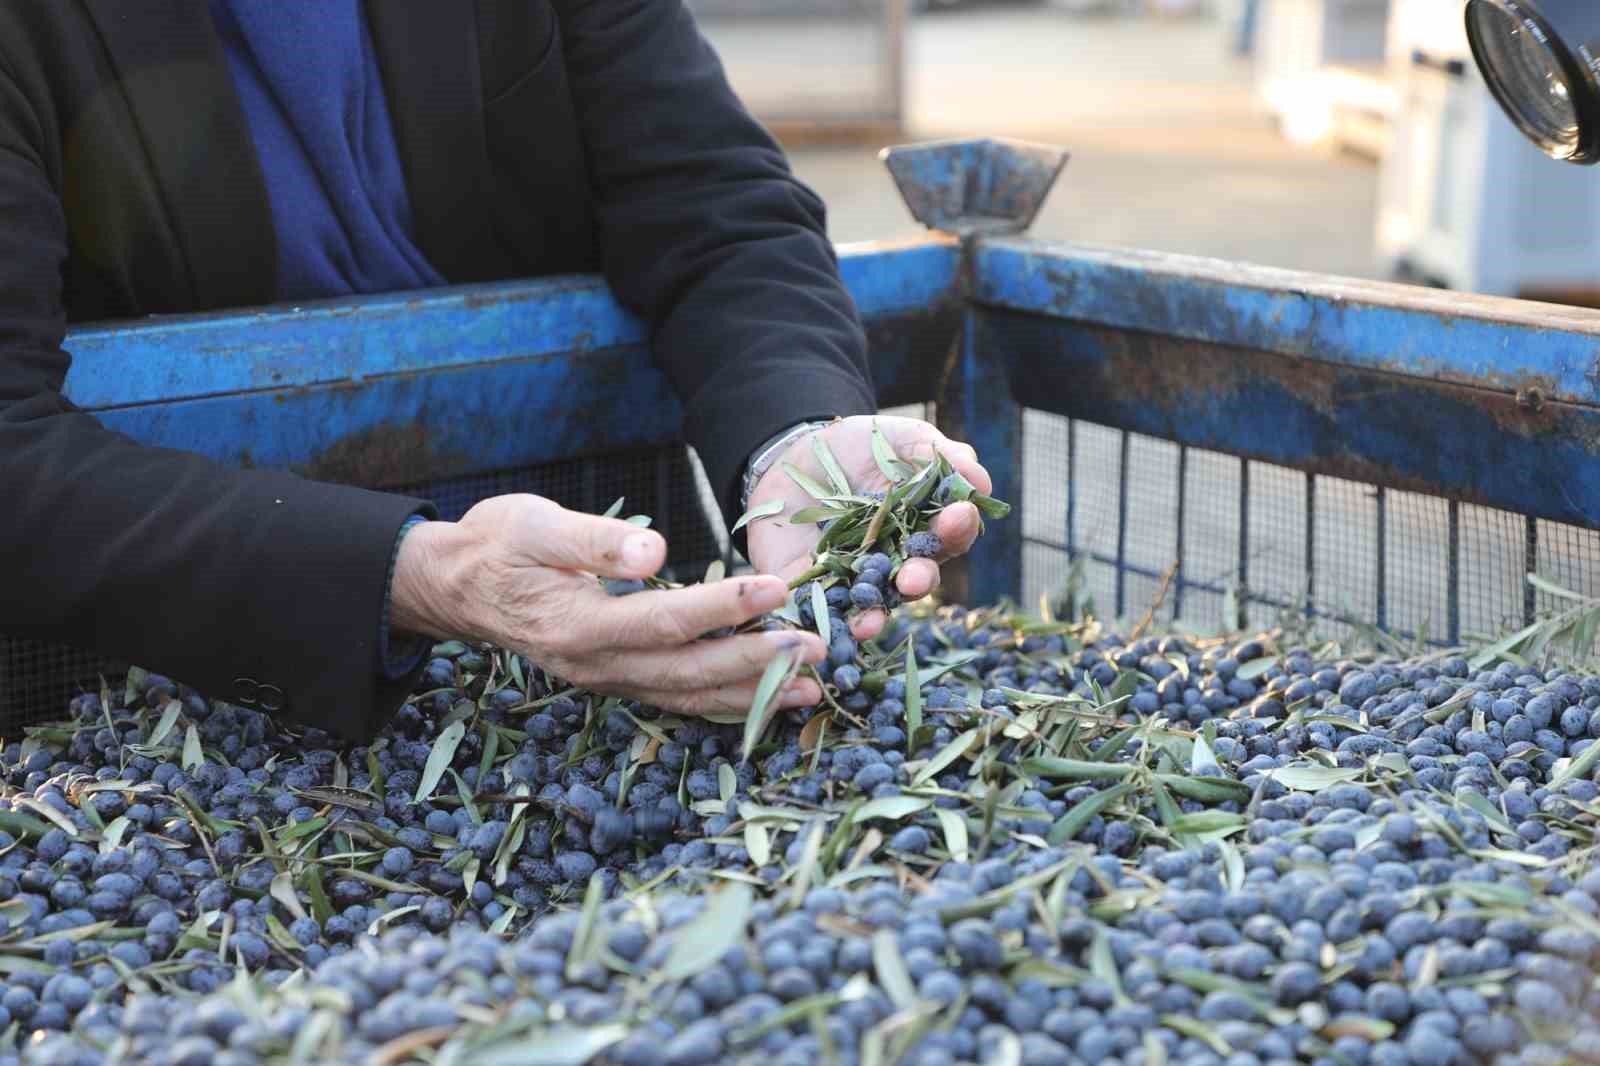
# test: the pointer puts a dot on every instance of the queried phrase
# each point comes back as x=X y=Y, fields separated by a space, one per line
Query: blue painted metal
x=400 y=389
x=345 y=342
x=971 y=188
x=1474 y=340
x=980 y=407
x=1478 y=445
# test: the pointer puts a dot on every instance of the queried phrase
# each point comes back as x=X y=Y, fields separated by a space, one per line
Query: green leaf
x=913 y=694
x=1104 y=965
x=780 y=671
x=22 y=826
x=955 y=833
x=890 y=966
x=193 y=757
x=700 y=943
x=1309 y=777
x=811 y=515
x=641 y=520
x=1108 y=751
x=815 y=490
x=1580 y=767
x=894 y=470
x=1075 y=769
x=893 y=808
x=1202 y=757
x=616 y=508
x=819 y=611
x=1070 y=824
x=1208 y=822
x=1255 y=668
x=561 y=1045
x=439 y=759
x=766 y=510
x=1232 y=866
x=578 y=952
x=830 y=465
x=1552 y=589
x=321 y=908
x=715 y=572
x=111 y=836
x=727 y=782
x=945 y=756
x=169 y=718
x=758 y=843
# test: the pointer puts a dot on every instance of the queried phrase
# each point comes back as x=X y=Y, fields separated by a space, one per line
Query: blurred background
x=1350 y=137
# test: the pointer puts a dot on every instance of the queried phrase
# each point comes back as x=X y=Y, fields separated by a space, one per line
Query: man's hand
x=520 y=572
x=776 y=547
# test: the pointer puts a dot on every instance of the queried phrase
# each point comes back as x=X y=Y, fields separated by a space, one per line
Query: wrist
x=422 y=597
x=770 y=453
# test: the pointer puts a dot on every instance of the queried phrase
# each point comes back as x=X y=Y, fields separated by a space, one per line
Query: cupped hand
x=780 y=547
x=521 y=572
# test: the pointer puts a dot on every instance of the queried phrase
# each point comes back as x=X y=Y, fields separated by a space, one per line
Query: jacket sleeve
x=256 y=587
x=706 y=233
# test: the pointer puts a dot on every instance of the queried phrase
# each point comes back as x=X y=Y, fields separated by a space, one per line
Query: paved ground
x=1170 y=150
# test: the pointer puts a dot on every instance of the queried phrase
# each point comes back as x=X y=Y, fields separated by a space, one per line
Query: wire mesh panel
x=812 y=66
x=1115 y=524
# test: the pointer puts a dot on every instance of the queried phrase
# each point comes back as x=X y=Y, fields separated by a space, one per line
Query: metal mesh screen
x=37 y=680
x=1121 y=525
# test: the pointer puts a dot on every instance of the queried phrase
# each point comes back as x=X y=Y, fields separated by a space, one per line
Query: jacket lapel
x=172 y=70
x=427 y=51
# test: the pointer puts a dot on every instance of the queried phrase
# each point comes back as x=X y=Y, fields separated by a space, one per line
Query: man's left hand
x=778 y=547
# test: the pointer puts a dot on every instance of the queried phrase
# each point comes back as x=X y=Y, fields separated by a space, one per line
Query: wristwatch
x=769 y=453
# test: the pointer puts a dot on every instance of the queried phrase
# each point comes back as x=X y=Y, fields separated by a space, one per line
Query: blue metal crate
x=1162 y=421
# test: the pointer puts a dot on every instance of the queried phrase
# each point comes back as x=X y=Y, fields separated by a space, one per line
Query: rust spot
x=1531 y=399
x=384 y=456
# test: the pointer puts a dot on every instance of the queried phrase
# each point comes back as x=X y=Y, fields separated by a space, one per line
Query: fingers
x=670 y=618
x=570 y=540
x=958 y=526
x=917 y=578
x=868 y=624
x=712 y=665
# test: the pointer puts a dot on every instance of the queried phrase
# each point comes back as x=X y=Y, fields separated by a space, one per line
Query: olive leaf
x=819 y=612
x=561 y=1045
x=806 y=482
x=616 y=508
x=830 y=465
x=193 y=757
x=955 y=833
x=893 y=468
x=766 y=510
x=169 y=718
x=439 y=759
x=780 y=671
x=913 y=695
x=893 y=976
x=700 y=943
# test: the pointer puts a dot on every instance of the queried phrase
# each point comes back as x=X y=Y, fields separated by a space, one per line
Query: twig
x=1156 y=604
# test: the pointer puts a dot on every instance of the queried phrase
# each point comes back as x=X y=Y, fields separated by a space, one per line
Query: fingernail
x=769 y=596
x=639 y=550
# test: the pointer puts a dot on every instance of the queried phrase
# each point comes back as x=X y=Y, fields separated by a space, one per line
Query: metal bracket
x=988 y=187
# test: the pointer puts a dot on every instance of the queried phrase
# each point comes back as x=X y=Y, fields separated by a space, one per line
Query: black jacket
x=538 y=137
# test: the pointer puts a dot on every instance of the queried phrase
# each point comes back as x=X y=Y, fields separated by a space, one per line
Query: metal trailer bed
x=1406 y=456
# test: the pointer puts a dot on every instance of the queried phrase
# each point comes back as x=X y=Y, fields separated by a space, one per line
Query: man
x=162 y=156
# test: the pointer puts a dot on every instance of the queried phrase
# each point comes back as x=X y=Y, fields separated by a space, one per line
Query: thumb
x=605 y=547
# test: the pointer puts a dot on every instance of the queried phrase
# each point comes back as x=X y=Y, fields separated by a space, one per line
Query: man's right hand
x=520 y=572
